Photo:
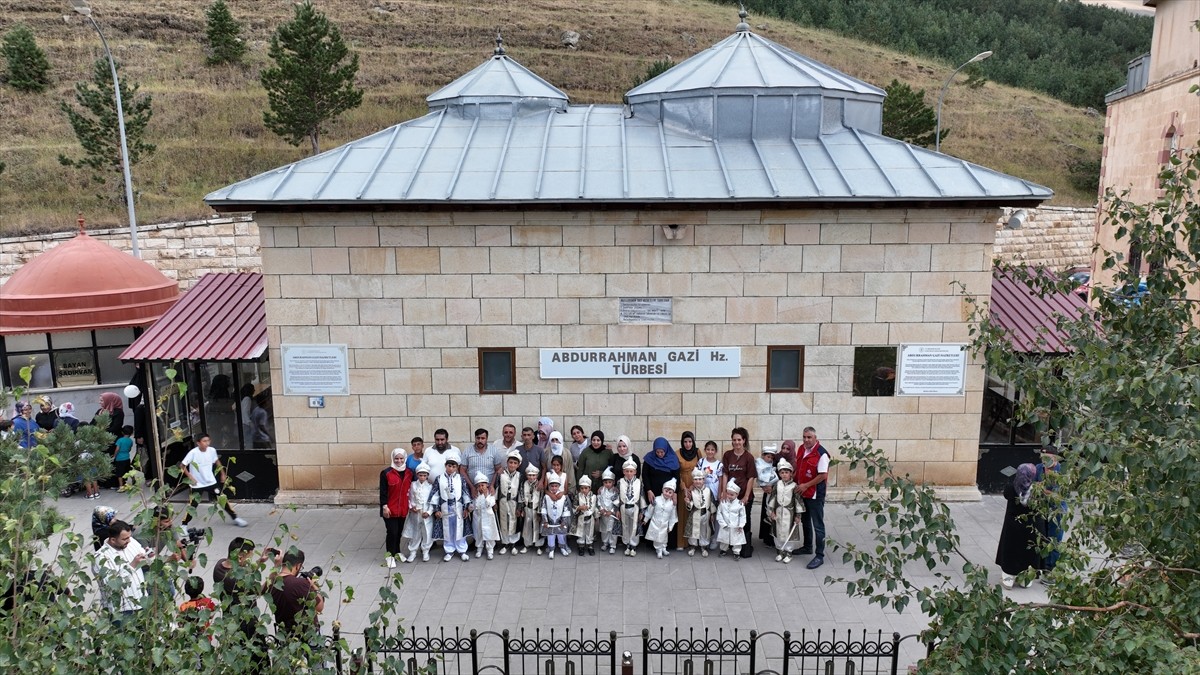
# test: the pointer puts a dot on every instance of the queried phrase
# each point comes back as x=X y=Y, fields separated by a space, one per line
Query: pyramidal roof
x=745 y=61
x=497 y=80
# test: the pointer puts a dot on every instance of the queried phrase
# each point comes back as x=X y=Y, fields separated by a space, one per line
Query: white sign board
x=314 y=370
x=932 y=370
x=641 y=362
x=644 y=311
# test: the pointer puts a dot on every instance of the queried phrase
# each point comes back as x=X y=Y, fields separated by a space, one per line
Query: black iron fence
x=674 y=652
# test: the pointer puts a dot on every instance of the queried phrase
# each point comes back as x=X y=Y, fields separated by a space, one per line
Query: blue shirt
x=124 y=448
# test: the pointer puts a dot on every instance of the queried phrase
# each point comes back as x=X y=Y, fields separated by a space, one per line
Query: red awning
x=222 y=318
x=1029 y=319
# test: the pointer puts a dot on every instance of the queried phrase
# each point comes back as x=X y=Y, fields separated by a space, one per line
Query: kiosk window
x=785 y=368
x=497 y=370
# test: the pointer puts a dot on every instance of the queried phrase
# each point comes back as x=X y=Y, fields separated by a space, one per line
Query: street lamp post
x=82 y=7
x=937 y=138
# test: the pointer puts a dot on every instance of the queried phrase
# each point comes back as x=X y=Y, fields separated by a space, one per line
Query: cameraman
x=238 y=579
x=296 y=598
x=165 y=532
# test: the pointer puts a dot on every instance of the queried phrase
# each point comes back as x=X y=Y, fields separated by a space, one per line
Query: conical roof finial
x=742 y=26
x=79 y=220
x=499 y=50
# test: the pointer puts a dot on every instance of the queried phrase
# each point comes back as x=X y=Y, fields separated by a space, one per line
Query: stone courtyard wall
x=1058 y=237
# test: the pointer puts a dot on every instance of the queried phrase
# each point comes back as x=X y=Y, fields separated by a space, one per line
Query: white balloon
x=132 y=391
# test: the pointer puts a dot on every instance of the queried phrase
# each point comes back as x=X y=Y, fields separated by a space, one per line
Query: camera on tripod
x=196 y=535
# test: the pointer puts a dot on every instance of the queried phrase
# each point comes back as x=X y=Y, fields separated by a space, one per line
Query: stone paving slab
x=605 y=592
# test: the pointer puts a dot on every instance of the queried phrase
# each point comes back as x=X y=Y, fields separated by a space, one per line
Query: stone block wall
x=415 y=295
x=182 y=251
x=1057 y=237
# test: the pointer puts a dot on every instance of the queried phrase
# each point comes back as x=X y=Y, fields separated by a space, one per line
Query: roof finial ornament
x=742 y=26
x=499 y=50
x=79 y=220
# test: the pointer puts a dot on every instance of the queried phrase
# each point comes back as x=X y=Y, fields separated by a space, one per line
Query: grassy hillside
x=208 y=121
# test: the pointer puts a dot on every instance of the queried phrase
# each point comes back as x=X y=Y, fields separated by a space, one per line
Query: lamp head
x=975 y=59
x=81 y=7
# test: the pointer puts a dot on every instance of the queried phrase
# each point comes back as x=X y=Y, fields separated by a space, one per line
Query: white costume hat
x=515 y=454
x=732 y=486
x=770 y=450
x=452 y=455
x=783 y=465
x=697 y=473
x=671 y=485
x=553 y=479
x=423 y=468
x=608 y=474
x=480 y=478
x=585 y=482
x=629 y=464
x=531 y=469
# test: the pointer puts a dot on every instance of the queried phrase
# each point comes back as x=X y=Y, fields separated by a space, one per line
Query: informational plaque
x=640 y=362
x=932 y=370
x=644 y=311
x=315 y=370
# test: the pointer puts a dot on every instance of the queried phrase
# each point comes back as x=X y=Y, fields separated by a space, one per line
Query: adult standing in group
x=297 y=600
x=201 y=468
x=812 y=474
x=594 y=460
x=531 y=454
x=579 y=443
x=482 y=458
x=394 y=482
x=689 y=459
x=623 y=454
x=416 y=454
x=660 y=466
x=739 y=467
x=66 y=416
x=545 y=426
x=47 y=416
x=508 y=440
x=435 y=457
x=111 y=404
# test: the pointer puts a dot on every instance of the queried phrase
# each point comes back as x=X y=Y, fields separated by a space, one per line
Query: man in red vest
x=812 y=471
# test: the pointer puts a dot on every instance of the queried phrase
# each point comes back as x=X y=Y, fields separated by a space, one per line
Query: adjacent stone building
x=739 y=224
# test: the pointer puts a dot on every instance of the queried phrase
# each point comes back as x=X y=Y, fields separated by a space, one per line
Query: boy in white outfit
x=418 y=528
x=784 y=508
x=584 y=525
x=631 y=499
x=452 y=499
x=661 y=516
x=508 y=498
x=556 y=515
x=699 y=502
x=528 y=508
x=483 y=515
x=731 y=518
x=606 y=509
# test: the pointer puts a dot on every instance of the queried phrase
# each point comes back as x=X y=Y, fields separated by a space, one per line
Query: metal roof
x=745 y=60
x=597 y=154
x=222 y=318
x=498 y=80
x=1028 y=319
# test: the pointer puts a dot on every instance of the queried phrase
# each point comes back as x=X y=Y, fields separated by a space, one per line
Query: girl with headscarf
x=66 y=415
x=689 y=458
x=624 y=452
x=1017 y=549
x=47 y=416
x=394 y=484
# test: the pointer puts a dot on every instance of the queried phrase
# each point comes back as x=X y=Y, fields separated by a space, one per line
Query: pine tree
x=906 y=117
x=97 y=130
x=312 y=81
x=225 y=44
x=28 y=69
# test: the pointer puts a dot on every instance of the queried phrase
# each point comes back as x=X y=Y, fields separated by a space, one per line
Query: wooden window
x=874 y=371
x=497 y=370
x=785 y=368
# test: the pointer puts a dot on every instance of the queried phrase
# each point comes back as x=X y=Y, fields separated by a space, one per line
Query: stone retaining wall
x=182 y=251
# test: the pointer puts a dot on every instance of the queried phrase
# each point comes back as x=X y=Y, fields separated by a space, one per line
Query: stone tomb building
x=743 y=202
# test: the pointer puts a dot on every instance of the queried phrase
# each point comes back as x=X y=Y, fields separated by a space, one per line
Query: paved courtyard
x=608 y=592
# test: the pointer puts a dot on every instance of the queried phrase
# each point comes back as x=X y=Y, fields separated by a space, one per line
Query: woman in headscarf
x=689 y=458
x=787 y=450
x=659 y=466
x=1017 y=550
x=24 y=427
x=394 y=483
x=66 y=415
x=624 y=452
x=47 y=416
x=594 y=460
x=111 y=403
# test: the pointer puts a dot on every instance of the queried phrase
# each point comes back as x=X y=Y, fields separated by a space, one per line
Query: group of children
x=518 y=515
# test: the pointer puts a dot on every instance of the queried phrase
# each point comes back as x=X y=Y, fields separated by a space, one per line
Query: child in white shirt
x=731 y=518
x=661 y=516
x=483 y=517
x=418 y=527
x=584 y=525
x=699 y=501
x=606 y=508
